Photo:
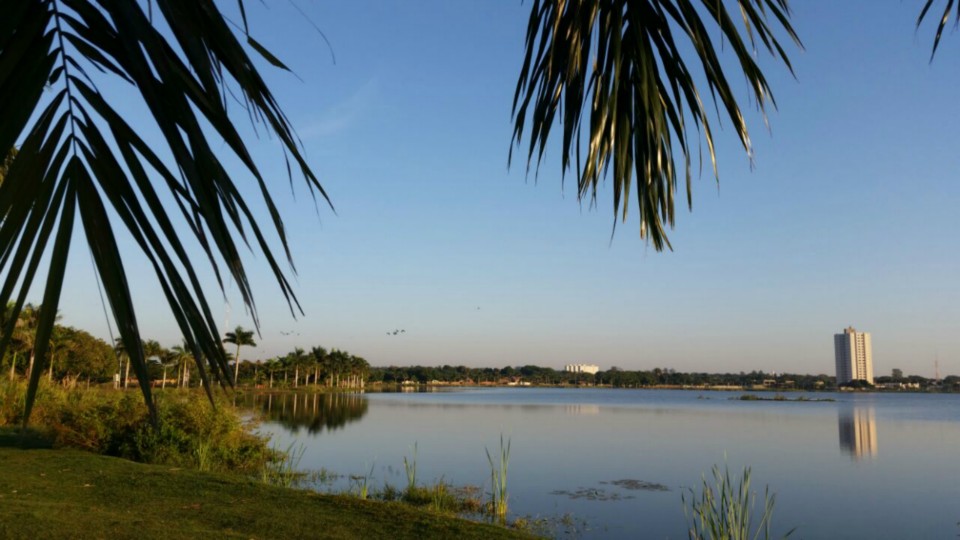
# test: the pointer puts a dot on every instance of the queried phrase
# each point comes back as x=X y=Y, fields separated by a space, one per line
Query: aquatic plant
x=498 y=481
x=361 y=483
x=283 y=470
x=388 y=493
x=411 y=468
x=724 y=510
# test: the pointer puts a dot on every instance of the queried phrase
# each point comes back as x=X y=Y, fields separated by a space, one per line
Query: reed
x=725 y=509
x=361 y=483
x=498 y=481
x=411 y=468
x=283 y=469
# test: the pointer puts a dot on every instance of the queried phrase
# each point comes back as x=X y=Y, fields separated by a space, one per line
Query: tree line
x=621 y=378
x=76 y=355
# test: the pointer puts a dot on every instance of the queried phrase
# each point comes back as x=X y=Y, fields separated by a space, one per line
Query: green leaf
x=610 y=72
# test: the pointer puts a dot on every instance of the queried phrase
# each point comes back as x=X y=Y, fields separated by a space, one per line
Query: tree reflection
x=313 y=412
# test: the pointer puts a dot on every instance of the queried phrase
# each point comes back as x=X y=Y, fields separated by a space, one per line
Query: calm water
x=865 y=466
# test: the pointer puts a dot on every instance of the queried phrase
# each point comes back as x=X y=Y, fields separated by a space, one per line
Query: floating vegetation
x=566 y=525
x=779 y=397
x=602 y=494
x=637 y=485
x=592 y=494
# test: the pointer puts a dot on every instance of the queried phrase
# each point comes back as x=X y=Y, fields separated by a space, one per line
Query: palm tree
x=239 y=337
x=181 y=355
x=320 y=359
x=620 y=62
x=25 y=332
x=79 y=161
x=271 y=366
x=168 y=359
x=296 y=359
x=57 y=341
x=120 y=349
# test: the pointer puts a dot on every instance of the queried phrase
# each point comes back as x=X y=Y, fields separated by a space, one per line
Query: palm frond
x=79 y=160
x=942 y=23
x=612 y=73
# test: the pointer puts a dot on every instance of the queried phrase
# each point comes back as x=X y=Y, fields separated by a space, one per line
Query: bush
x=190 y=432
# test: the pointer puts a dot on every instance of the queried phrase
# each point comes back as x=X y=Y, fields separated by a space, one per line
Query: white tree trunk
x=236 y=367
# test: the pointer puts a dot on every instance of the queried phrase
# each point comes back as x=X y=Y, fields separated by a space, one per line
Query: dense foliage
x=190 y=432
x=621 y=378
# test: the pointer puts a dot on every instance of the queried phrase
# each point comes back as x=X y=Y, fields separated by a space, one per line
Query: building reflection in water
x=858 y=432
x=584 y=408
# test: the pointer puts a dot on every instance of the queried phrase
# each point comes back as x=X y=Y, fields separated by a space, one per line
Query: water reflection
x=858 y=432
x=314 y=412
x=585 y=408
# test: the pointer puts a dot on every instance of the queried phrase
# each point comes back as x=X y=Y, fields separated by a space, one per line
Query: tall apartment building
x=854 y=356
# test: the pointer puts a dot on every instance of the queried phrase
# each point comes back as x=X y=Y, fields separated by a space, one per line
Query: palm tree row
x=79 y=353
x=319 y=367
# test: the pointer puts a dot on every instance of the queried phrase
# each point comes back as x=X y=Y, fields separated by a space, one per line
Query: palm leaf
x=80 y=161
x=612 y=73
x=942 y=23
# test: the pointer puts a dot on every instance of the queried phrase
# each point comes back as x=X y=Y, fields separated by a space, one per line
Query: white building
x=582 y=368
x=854 y=356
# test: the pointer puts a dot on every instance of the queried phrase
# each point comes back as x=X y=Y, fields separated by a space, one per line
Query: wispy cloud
x=343 y=115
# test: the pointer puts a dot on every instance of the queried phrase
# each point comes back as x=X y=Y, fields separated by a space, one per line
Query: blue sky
x=847 y=217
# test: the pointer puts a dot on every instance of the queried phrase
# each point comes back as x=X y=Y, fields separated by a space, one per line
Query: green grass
x=724 y=509
x=48 y=493
x=498 y=481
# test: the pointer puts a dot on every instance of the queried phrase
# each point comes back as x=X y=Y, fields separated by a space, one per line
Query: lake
x=615 y=462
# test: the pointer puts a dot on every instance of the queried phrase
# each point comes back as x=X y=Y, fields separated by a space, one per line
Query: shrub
x=190 y=432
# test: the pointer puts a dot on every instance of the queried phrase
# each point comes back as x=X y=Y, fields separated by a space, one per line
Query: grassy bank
x=48 y=493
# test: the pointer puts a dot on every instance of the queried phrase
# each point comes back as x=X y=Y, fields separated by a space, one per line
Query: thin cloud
x=343 y=115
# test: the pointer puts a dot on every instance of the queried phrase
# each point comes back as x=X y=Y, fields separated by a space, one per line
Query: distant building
x=582 y=368
x=854 y=356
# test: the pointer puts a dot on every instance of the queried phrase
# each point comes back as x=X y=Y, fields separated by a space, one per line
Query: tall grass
x=283 y=470
x=411 y=469
x=361 y=482
x=498 y=481
x=724 y=509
